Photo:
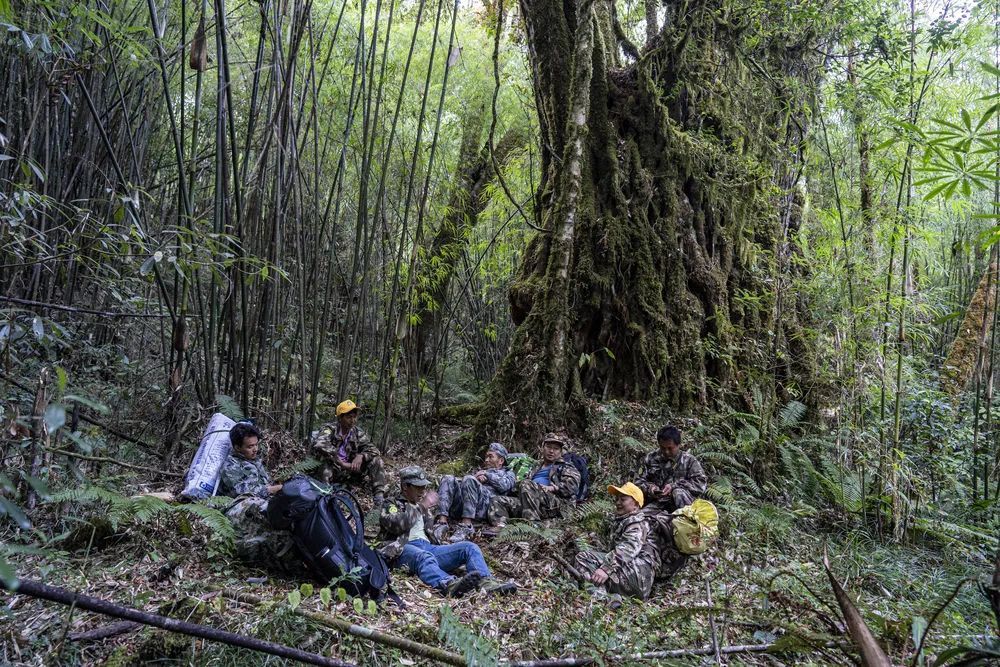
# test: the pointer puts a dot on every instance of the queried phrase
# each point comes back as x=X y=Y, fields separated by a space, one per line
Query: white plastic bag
x=203 y=475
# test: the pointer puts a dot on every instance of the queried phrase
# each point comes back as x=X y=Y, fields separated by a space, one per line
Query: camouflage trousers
x=256 y=542
x=529 y=502
x=678 y=498
x=634 y=579
x=464 y=498
x=371 y=477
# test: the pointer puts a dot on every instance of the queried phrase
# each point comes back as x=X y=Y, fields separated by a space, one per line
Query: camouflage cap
x=414 y=476
x=556 y=437
x=498 y=449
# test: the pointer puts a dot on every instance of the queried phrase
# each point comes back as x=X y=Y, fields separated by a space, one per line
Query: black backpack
x=580 y=463
x=329 y=531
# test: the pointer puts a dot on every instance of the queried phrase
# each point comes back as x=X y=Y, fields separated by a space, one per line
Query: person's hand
x=274 y=488
x=481 y=477
x=346 y=465
x=442 y=519
x=654 y=490
x=667 y=488
x=356 y=463
x=551 y=488
x=599 y=576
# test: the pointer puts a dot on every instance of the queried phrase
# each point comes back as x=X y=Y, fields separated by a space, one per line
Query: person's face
x=551 y=451
x=413 y=494
x=248 y=448
x=348 y=420
x=625 y=504
x=492 y=460
x=669 y=448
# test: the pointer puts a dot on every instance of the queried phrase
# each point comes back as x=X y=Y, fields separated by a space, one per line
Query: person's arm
x=324 y=443
x=569 y=481
x=693 y=478
x=651 y=470
x=500 y=480
x=397 y=518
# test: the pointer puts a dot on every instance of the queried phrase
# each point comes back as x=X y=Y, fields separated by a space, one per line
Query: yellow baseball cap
x=627 y=489
x=345 y=407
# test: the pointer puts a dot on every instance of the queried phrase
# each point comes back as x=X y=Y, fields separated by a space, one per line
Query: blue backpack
x=580 y=463
x=329 y=531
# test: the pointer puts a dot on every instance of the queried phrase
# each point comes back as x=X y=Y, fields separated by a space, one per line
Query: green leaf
x=325 y=596
x=294 y=599
x=306 y=590
x=372 y=608
x=990 y=68
x=40 y=487
x=62 y=379
x=86 y=402
x=917 y=627
x=14 y=512
x=341 y=594
x=359 y=606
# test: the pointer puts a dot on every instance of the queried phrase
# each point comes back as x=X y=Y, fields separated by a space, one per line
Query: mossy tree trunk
x=661 y=192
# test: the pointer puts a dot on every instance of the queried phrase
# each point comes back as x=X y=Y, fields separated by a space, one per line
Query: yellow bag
x=696 y=527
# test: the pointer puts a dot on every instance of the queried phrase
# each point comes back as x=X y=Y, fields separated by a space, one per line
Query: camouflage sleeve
x=694 y=480
x=364 y=446
x=397 y=518
x=501 y=480
x=650 y=473
x=627 y=547
x=323 y=444
x=569 y=481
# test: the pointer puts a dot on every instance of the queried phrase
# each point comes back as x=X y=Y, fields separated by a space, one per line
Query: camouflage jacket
x=241 y=476
x=630 y=544
x=564 y=476
x=685 y=473
x=397 y=518
x=500 y=480
x=328 y=442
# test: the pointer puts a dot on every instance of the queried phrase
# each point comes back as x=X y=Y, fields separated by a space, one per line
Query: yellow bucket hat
x=627 y=489
x=345 y=407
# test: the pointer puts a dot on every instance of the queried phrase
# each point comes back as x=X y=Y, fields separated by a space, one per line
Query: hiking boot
x=459 y=586
x=493 y=587
x=493 y=531
x=439 y=532
x=462 y=533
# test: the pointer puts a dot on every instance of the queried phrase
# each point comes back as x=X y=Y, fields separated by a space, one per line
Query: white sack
x=206 y=467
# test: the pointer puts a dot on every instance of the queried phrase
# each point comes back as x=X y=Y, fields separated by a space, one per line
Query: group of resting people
x=415 y=523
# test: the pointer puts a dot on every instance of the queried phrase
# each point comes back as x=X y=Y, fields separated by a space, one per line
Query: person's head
x=553 y=446
x=347 y=415
x=668 y=439
x=496 y=456
x=628 y=498
x=245 y=439
x=413 y=483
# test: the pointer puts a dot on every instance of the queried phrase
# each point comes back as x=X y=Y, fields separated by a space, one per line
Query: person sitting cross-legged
x=630 y=566
x=547 y=492
x=405 y=543
x=348 y=454
x=468 y=498
x=671 y=477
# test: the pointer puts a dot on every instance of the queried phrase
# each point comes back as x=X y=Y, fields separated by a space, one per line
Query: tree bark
x=660 y=221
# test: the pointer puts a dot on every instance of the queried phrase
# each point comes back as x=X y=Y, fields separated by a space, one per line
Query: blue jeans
x=434 y=563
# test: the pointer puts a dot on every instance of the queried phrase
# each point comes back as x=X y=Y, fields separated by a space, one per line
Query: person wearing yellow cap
x=630 y=566
x=348 y=454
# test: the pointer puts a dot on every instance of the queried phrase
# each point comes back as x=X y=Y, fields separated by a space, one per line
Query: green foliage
x=478 y=651
x=526 y=531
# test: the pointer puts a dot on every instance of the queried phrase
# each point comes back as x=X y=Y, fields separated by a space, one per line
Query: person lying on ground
x=245 y=478
x=671 y=478
x=630 y=566
x=405 y=543
x=547 y=493
x=243 y=473
x=468 y=499
x=348 y=454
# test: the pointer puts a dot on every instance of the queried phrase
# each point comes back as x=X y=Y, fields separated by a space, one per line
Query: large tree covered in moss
x=669 y=209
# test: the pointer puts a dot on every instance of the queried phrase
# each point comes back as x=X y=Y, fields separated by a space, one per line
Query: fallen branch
x=401 y=643
x=82 y=311
x=872 y=654
x=42 y=591
x=575 y=573
x=105 y=631
x=107 y=459
x=652 y=655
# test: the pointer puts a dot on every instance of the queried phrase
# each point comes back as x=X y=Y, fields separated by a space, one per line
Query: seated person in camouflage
x=244 y=477
x=630 y=566
x=468 y=499
x=671 y=478
x=405 y=543
x=348 y=455
x=548 y=491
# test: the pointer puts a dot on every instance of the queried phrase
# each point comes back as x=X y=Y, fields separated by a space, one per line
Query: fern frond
x=229 y=407
x=791 y=414
x=478 y=651
x=720 y=491
x=525 y=531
